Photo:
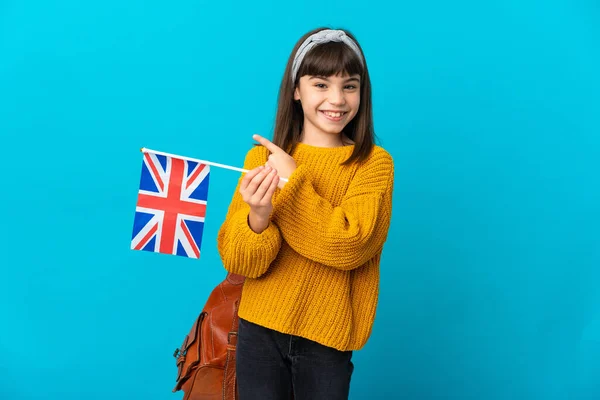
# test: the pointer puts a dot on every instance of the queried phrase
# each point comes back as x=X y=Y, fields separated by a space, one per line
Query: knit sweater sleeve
x=242 y=250
x=345 y=236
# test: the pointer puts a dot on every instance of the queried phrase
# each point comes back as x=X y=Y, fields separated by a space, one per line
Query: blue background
x=490 y=277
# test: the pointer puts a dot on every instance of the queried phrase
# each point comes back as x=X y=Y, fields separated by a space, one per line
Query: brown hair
x=325 y=59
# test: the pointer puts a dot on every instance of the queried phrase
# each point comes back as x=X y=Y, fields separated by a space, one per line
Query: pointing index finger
x=267 y=143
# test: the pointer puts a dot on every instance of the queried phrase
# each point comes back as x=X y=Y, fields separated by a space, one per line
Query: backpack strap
x=229 y=376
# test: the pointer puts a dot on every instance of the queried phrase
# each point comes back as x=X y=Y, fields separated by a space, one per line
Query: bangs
x=329 y=59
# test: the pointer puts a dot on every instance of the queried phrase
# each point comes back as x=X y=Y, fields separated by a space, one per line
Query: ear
x=297 y=94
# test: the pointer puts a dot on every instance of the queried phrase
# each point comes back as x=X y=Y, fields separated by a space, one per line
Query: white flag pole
x=145 y=150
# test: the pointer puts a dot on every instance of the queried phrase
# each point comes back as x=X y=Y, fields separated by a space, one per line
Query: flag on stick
x=171 y=205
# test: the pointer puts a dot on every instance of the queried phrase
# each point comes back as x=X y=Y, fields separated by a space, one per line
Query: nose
x=336 y=97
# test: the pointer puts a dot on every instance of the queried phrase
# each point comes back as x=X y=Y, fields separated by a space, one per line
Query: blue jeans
x=271 y=366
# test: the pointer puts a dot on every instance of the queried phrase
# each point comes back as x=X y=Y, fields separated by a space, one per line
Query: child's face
x=328 y=103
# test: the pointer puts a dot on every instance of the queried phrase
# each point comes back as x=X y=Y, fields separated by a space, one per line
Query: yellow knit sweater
x=314 y=272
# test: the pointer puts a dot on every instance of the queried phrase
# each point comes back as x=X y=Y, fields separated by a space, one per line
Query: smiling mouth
x=334 y=114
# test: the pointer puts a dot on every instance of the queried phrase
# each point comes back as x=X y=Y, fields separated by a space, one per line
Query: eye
x=351 y=87
x=320 y=85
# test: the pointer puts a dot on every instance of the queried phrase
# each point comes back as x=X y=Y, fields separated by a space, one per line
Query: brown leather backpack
x=206 y=359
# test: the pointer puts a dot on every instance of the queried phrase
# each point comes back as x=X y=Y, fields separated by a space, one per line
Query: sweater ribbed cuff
x=251 y=253
x=290 y=198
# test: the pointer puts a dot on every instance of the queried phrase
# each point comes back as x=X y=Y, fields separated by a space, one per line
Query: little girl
x=309 y=245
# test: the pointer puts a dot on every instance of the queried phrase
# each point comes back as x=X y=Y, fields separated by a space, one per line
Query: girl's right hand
x=257 y=190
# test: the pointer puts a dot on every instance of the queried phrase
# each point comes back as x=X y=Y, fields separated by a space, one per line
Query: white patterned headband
x=324 y=36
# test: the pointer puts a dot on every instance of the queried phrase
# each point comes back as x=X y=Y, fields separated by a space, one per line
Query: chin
x=331 y=130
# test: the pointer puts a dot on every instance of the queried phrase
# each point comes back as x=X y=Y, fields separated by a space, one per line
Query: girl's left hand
x=278 y=159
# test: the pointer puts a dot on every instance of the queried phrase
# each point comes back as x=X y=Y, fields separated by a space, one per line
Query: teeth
x=333 y=114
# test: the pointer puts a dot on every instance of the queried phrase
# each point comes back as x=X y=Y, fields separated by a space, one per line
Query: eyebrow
x=351 y=79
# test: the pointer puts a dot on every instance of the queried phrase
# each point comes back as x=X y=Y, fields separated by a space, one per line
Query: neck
x=319 y=139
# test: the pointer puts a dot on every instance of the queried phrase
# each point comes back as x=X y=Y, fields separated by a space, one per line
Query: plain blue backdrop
x=491 y=110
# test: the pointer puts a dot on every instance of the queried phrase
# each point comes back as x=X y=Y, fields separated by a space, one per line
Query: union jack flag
x=171 y=205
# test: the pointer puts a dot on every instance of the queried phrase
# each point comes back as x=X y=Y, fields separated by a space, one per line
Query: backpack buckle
x=230 y=335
